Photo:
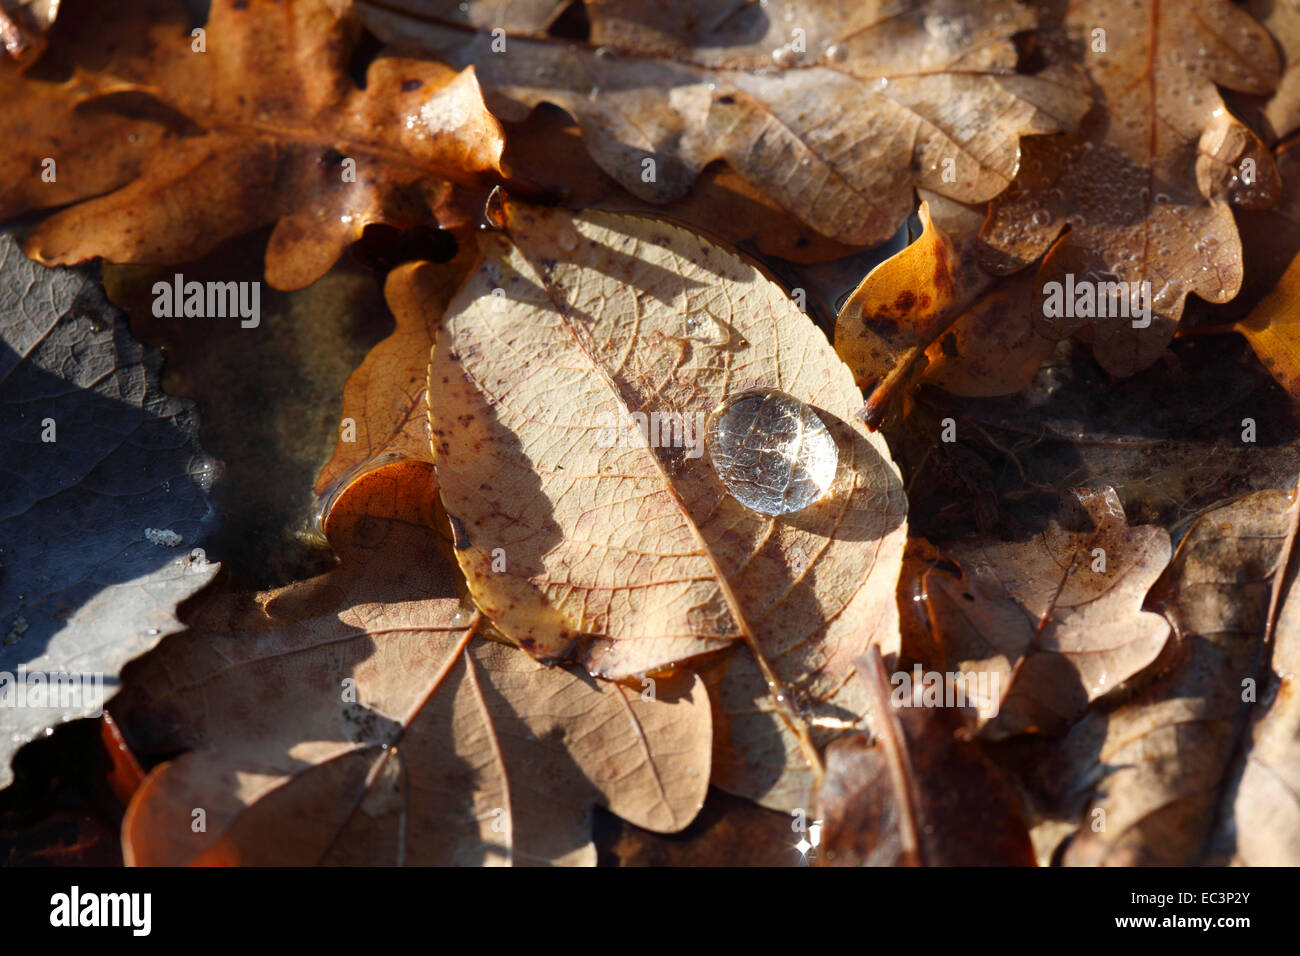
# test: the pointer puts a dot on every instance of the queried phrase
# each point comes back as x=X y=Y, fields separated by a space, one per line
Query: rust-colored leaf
x=904 y=303
x=272 y=131
x=992 y=348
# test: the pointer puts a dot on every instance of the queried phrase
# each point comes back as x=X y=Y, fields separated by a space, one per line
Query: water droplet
x=568 y=240
x=836 y=53
x=708 y=329
x=771 y=451
x=1041 y=217
x=782 y=55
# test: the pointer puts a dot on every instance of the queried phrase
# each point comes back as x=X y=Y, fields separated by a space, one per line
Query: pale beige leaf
x=581 y=539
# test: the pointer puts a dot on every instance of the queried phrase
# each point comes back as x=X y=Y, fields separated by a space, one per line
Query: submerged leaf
x=102 y=503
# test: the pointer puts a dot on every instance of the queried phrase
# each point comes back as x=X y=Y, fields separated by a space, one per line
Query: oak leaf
x=1147 y=184
x=902 y=305
x=1056 y=617
x=1154 y=770
x=835 y=111
x=274 y=131
x=1282 y=20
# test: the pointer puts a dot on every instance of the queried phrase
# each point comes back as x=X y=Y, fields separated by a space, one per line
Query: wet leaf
x=102 y=501
x=356 y=719
x=273 y=131
x=834 y=111
x=583 y=537
x=1146 y=186
x=22 y=27
x=269 y=396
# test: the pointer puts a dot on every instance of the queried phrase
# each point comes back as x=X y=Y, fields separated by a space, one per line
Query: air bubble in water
x=771 y=451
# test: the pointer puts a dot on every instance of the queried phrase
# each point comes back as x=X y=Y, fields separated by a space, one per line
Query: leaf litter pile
x=714 y=432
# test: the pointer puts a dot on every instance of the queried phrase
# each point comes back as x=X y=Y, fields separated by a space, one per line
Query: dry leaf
x=835 y=111
x=583 y=537
x=275 y=132
x=907 y=301
x=546 y=149
x=352 y=719
x=384 y=399
x=1080 y=632
x=918 y=796
x=992 y=348
x=1282 y=20
x=1151 y=772
x=1273 y=330
x=1260 y=819
x=1145 y=187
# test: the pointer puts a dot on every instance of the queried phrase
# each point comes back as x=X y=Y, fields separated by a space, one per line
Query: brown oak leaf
x=834 y=110
x=267 y=127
